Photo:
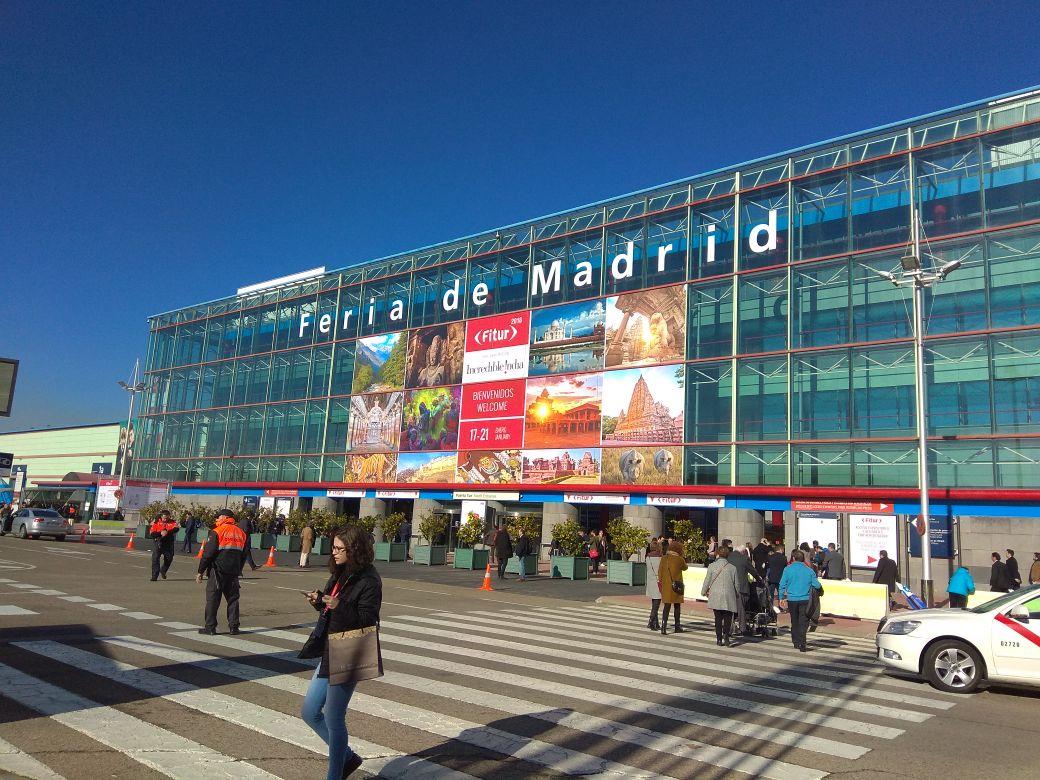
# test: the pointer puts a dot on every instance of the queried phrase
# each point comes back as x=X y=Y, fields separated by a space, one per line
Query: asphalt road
x=102 y=674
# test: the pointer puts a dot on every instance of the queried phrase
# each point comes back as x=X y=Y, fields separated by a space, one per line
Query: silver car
x=40 y=522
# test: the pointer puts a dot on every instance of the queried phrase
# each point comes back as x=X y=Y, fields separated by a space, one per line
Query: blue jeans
x=325 y=711
x=520 y=566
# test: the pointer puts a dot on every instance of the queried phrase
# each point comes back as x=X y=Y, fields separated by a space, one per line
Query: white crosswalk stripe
x=10 y=610
x=670 y=707
x=20 y=764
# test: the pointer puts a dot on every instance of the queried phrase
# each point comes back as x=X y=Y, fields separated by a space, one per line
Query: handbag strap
x=716 y=576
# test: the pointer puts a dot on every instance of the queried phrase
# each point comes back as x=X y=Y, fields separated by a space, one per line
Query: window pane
x=711 y=320
x=821 y=217
x=828 y=465
x=762 y=465
x=762 y=399
x=958 y=303
x=958 y=388
x=763 y=228
x=709 y=396
x=821 y=398
x=708 y=466
x=763 y=313
x=879 y=310
x=1011 y=175
x=948 y=189
x=883 y=391
x=1014 y=279
x=1016 y=382
x=820 y=316
x=713 y=228
x=885 y=464
x=880 y=204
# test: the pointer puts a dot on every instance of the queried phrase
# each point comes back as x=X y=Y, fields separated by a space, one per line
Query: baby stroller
x=761 y=617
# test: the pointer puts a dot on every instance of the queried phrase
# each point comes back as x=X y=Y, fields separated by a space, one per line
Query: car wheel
x=23 y=533
x=59 y=538
x=953 y=666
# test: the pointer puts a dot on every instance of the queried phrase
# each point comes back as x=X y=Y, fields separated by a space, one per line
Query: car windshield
x=48 y=513
x=1001 y=601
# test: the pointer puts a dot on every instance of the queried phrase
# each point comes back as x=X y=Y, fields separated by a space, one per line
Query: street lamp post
x=913 y=274
x=133 y=388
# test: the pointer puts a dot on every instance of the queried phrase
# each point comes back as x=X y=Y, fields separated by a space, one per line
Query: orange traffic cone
x=270 y=558
x=487 y=579
x=130 y=541
x=83 y=536
x=197 y=557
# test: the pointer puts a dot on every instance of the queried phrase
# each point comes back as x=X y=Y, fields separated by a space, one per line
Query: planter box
x=530 y=565
x=261 y=541
x=430 y=555
x=626 y=572
x=201 y=534
x=142 y=531
x=569 y=567
x=287 y=543
x=321 y=546
x=391 y=551
x=181 y=533
x=468 y=558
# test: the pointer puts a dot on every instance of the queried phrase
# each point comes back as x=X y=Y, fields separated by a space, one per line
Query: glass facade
x=795 y=360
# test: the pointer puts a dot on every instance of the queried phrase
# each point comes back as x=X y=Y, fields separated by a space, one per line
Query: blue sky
x=157 y=155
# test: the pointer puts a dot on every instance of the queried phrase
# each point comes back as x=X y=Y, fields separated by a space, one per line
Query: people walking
x=190 y=525
x=248 y=524
x=1034 y=570
x=713 y=550
x=523 y=549
x=720 y=586
x=961 y=586
x=745 y=574
x=163 y=533
x=795 y=583
x=1014 y=577
x=774 y=571
x=223 y=557
x=596 y=552
x=503 y=550
x=670 y=570
x=998 y=575
x=306 y=544
x=886 y=573
x=653 y=587
x=351 y=600
x=833 y=563
x=760 y=556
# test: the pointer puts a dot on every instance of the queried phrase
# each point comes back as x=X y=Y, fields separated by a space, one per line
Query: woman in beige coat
x=307 y=545
x=671 y=568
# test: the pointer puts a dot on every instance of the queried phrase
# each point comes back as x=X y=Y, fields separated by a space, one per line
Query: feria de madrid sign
x=545 y=279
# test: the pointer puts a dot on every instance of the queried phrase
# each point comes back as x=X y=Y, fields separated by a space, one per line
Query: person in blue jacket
x=961 y=586
x=795 y=583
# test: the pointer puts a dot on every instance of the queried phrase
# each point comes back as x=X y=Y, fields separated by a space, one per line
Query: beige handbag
x=355 y=656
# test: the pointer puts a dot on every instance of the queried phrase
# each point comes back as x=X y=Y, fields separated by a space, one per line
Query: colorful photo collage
x=583 y=393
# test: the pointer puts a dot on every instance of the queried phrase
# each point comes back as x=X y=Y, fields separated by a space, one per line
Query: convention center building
x=737 y=348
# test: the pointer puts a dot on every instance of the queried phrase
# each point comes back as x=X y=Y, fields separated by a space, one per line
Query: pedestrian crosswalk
x=581 y=690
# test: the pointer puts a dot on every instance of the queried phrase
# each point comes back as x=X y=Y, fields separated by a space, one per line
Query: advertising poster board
x=868 y=535
x=819 y=527
x=940 y=531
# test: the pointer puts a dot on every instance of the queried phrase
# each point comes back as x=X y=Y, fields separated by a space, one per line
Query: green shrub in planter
x=390 y=551
x=468 y=558
x=569 y=567
x=288 y=543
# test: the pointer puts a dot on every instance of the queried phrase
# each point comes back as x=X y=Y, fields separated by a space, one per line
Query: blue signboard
x=940 y=533
x=101 y=468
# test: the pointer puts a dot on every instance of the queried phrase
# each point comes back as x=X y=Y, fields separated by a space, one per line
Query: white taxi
x=956 y=649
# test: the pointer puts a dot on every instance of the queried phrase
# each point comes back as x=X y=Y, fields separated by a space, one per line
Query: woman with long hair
x=351 y=598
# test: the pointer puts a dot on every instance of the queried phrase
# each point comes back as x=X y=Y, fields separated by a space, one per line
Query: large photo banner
x=583 y=393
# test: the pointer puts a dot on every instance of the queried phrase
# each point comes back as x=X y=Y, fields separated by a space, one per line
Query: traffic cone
x=83 y=536
x=270 y=558
x=197 y=557
x=487 y=579
x=130 y=541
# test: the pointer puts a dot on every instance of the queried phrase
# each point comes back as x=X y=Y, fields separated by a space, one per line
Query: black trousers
x=502 y=563
x=655 y=610
x=165 y=552
x=799 y=621
x=723 y=623
x=226 y=586
x=667 y=607
x=958 y=601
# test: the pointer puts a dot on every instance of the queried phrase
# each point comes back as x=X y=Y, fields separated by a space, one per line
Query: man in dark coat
x=745 y=573
x=886 y=573
x=774 y=571
x=523 y=549
x=999 y=582
x=503 y=550
x=834 y=563
x=760 y=556
x=1014 y=577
